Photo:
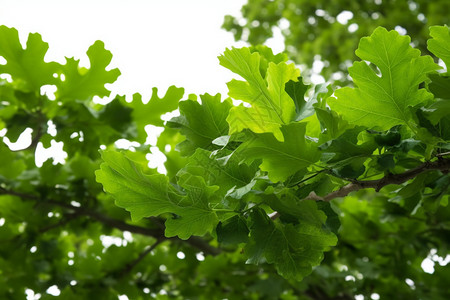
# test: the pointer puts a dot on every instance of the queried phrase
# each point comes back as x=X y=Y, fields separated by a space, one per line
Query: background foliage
x=313 y=31
x=309 y=192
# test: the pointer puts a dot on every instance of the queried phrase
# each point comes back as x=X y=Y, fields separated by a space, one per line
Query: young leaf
x=151 y=112
x=383 y=100
x=81 y=83
x=271 y=105
x=26 y=66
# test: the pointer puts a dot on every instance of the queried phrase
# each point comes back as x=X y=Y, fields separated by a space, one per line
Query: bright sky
x=154 y=42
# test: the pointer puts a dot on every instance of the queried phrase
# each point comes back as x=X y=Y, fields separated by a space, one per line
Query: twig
x=443 y=154
x=442 y=165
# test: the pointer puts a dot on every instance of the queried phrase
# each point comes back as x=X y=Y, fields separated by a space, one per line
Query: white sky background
x=155 y=43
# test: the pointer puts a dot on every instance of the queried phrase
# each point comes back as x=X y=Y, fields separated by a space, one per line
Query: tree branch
x=157 y=233
x=441 y=165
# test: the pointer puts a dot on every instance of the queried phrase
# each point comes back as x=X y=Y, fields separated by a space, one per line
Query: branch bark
x=441 y=165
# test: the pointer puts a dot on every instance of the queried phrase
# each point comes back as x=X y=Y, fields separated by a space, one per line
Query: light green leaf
x=151 y=112
x=439 y=45
x=281 y=159
x=271 y=106
x=151 y=195
x=26 y=66
x=201 y=123
x=382 y=100
x=81 y=83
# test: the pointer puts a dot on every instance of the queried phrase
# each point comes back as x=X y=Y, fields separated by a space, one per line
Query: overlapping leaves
x=260 y=157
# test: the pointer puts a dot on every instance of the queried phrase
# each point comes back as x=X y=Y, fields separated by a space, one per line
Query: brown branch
x=157 y=233
x=441 y=165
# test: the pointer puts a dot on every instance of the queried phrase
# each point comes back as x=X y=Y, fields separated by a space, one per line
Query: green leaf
x=281 y=159
x=348 y=146
x=267 y=56
x=333 y=223
x=81 y=83
x=271 y=106
x=194 y=215
x=296 y=90
x=305 y=109
x=26 y=66
x=150 y=113
x=439 y=45
x=201 y=123
x=439 y=86
x=151 y=195
x=230 y=175
x=294 y=249
x=232 y=231
x=11 y=165
x=389 y=138
x=140 y=194
x=382 y=100
x=116 y=115
x=331 y=124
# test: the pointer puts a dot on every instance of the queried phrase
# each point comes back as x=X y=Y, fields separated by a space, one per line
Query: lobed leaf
x=229 y=175
x=271 y=105
x=83 y=83
x=26 y=66
x=151 y=195
x=201 y=123
x=383 y=100
x=439 y=45
x=151 y=112
x=293 y=248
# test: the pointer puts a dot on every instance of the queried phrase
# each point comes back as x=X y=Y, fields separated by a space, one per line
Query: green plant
x=325 y=192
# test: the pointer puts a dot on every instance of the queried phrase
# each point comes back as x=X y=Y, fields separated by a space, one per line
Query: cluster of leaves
x=311 y=28
x=325 y=193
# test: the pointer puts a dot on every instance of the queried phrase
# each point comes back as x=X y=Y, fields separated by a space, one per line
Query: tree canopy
x=299 y=192
x=330 y=30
